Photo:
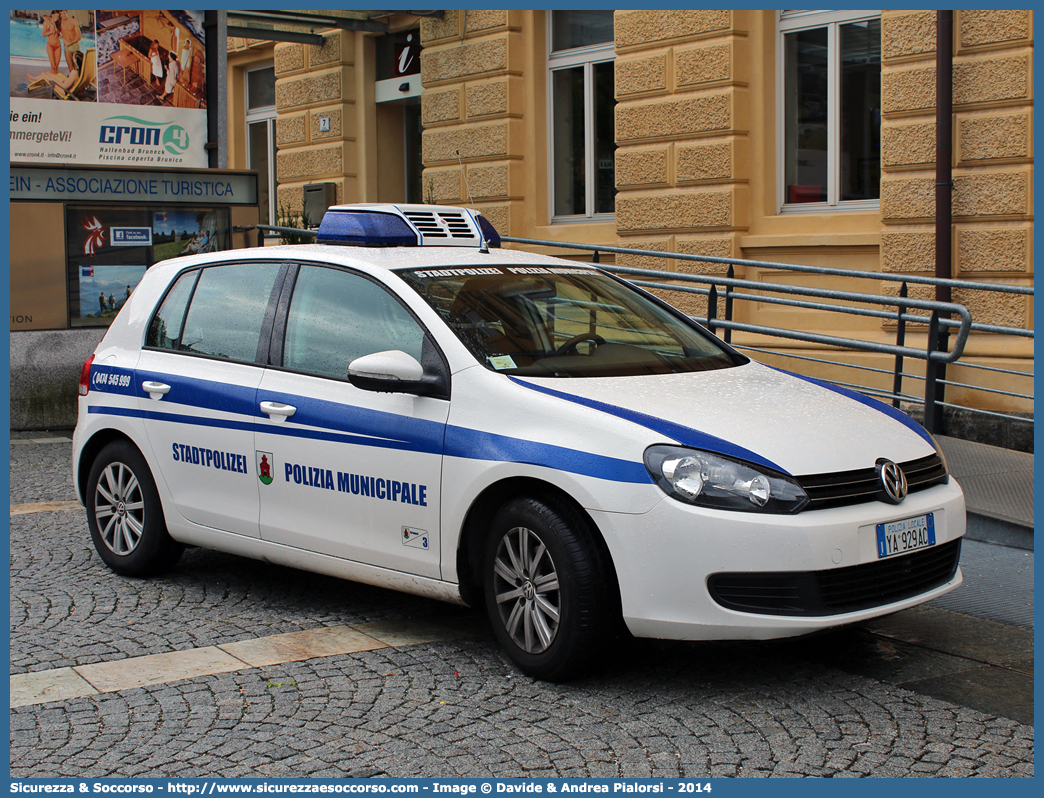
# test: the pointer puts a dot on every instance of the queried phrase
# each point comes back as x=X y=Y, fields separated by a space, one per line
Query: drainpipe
x=215 y=26
x=936 y=373
x=943 y=150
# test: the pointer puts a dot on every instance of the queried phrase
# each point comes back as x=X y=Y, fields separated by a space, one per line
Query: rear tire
x=125 y=515
x=548 y=588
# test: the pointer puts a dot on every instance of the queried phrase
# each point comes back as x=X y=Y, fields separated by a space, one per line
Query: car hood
x=755 y=413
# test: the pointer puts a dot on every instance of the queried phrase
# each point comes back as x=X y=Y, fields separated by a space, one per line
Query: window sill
x=598 y=218
x=861 y=206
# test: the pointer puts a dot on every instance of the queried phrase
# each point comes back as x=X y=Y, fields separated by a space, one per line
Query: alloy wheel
x=527 y=590
x=119 y=508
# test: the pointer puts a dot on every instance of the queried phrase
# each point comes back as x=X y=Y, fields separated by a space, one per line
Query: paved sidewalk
x=998 y=489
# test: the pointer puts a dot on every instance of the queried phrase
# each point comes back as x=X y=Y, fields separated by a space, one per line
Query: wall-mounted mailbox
x=317 y=198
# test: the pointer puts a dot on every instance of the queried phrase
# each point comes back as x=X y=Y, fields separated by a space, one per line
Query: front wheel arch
x=475 y=529
x=547 y=588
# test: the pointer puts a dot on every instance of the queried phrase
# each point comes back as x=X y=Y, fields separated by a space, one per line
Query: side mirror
x=394 y=371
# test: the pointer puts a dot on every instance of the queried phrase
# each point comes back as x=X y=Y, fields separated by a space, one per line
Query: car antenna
x=483 y=246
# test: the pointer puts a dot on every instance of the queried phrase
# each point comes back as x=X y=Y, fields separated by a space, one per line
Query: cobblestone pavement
x=439 y=709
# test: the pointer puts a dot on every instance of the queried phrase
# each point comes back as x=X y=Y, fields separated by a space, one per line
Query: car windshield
x=546 y=321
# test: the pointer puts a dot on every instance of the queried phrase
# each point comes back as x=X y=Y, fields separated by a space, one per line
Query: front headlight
x=712 y=480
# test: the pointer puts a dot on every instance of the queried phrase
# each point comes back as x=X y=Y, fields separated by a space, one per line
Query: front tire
x=125 y=515
x=548 y=588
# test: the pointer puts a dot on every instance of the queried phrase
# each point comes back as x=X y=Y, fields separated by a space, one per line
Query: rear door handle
x=155 y=390
x=277 y=411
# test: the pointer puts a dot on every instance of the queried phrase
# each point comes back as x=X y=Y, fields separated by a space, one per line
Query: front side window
x=336 y=317
x=582 y=102
x=830 y=110
x=563 y=322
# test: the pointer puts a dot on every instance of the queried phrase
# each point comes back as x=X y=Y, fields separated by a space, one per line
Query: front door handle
x=155 y=390
x=277 y=411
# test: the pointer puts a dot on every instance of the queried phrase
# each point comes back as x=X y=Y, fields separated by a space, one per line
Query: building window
x=830 y=107
x=260 y=121
x=581 y=89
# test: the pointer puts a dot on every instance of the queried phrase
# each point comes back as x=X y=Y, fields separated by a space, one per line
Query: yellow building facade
x=715 y=129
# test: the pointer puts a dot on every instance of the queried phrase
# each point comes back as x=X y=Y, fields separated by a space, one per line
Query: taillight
x=85 y=376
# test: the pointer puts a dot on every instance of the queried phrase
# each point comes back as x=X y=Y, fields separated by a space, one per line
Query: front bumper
x=666 y=557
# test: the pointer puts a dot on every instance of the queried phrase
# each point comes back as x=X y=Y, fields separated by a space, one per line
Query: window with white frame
x=581 y=91
x=260 y=122
x=830 y=110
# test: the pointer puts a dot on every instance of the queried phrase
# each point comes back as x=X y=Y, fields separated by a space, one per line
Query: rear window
x=563 y=322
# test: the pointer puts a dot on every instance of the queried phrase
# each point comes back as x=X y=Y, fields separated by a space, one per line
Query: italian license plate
x=910 y=534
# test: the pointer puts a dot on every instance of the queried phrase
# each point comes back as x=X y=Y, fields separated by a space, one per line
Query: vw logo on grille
x=893 y=480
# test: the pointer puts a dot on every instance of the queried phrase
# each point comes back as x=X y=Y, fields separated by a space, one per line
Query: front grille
x=855 y=487
x=456 y=225
x=839 y=590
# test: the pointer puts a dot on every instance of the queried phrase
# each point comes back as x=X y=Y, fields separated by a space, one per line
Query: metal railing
x=938 y=325
x=938 y=320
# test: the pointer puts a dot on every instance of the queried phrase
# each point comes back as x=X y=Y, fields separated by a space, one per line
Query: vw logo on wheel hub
x=893 y=481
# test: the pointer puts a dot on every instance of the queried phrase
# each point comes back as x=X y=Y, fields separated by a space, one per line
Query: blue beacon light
x=366 y=229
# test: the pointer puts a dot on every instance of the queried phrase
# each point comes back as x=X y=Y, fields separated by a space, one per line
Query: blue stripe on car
x=475 y=445
x=176 y=418
x=251 y=426
x=363 y=426
x=686 y=436
x=203 y=394
x=340 y=423
x=870 y=402
x=345 y=423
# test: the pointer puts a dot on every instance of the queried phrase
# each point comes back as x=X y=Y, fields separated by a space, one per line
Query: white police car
x=401 y=405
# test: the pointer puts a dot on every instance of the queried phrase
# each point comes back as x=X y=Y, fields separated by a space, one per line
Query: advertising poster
x=121 y=88
x=111 y=247
x=186 y=232
x=104 y=289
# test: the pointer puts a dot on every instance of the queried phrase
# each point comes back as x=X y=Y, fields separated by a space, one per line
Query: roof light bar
x=368 y=225
x=367 y=228
x=489 y=232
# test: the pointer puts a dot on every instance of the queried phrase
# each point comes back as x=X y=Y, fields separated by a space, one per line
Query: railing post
x=943 y=338
x=900 y=340
x=731 y=273
x=594 y=258
x=712 y=308
x=931 y=420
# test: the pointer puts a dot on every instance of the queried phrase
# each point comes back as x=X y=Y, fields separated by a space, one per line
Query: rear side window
x=165 y=329
x=227 y=311
x=337 y=316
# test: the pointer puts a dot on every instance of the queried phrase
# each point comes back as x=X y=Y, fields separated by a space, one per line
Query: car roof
x=398 y=258
x=368 y=259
